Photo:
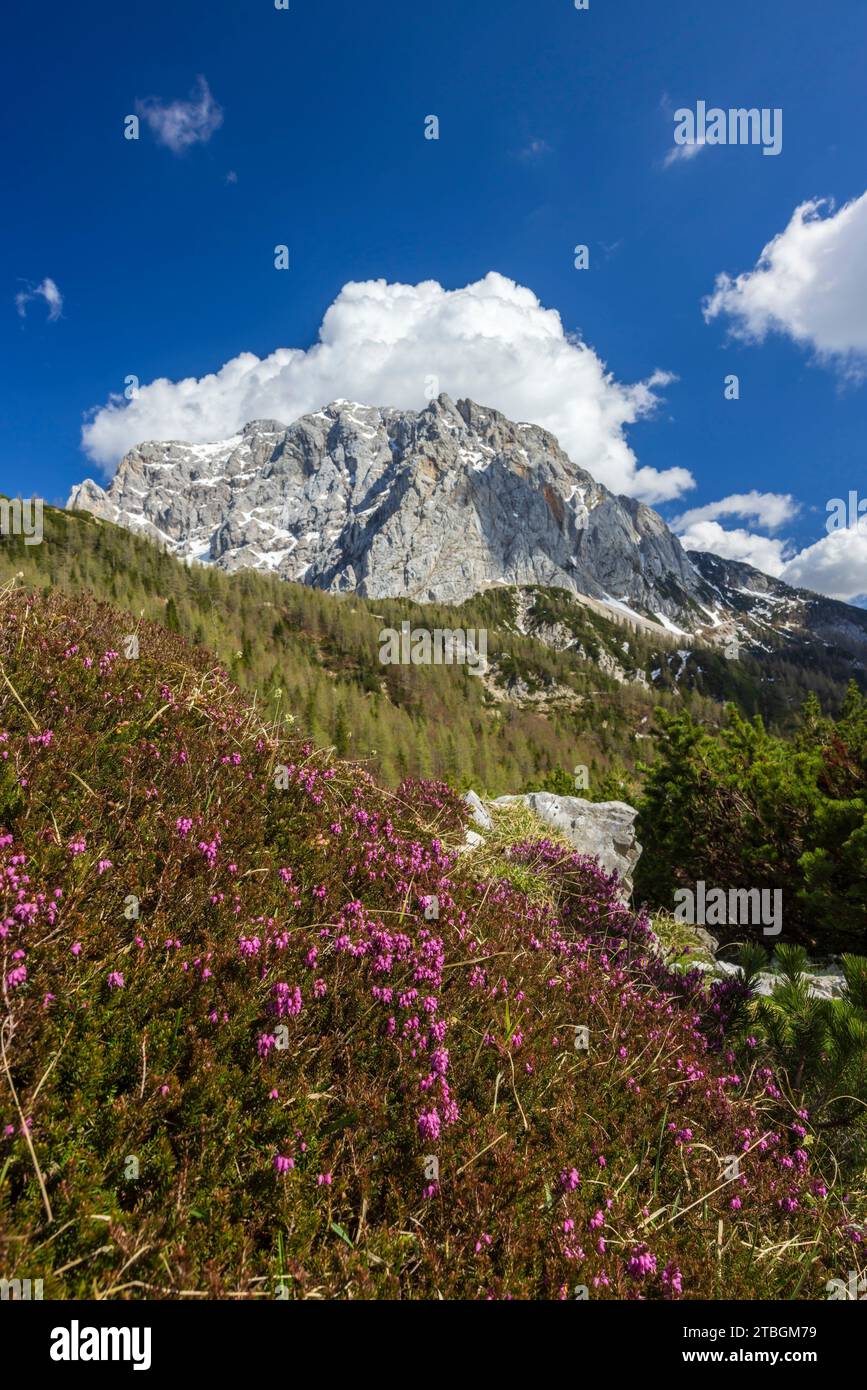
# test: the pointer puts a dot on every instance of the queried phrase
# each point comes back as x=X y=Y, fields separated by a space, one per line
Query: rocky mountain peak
x=434 y=505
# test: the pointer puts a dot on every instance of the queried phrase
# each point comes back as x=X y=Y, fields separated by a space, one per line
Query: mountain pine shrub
x=740 y=807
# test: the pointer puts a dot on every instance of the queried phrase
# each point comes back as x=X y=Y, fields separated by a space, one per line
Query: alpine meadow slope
x=243 y=1056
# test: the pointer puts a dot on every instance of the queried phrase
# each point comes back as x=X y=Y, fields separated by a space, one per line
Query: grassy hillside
x=313 y=658
x=239 y=1057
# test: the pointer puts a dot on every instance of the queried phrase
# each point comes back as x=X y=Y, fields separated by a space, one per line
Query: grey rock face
x=603 y=829
x=766 y=610
x=435 y=506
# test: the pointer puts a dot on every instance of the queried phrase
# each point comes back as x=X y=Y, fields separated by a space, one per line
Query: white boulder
x=603 y=829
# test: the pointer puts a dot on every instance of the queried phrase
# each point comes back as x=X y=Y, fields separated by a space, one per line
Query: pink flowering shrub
x=318 y=1084
x=435 y=804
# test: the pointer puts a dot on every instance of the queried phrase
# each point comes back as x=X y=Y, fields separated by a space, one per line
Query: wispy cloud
x=47 y=291
x=180 y=124
x=678 y=154
x=534 y=149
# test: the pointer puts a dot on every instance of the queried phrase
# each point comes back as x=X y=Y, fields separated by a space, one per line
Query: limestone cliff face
x=434 y=505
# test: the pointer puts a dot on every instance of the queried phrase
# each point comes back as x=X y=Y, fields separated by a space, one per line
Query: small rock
x=479 y=814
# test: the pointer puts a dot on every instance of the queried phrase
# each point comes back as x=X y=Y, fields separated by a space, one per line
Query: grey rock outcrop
x=603 y=829
x=822 y=981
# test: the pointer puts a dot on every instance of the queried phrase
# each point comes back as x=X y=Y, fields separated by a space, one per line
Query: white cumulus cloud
x=47 y=291
x=534 y=149
x=835 y=565
x=770 y=509
x=699 y=528
x=763 y=552
x=810 y=282
x=180 y=124
x=396 y=345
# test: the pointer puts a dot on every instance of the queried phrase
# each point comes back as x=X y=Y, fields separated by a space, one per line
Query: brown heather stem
x=17 y=696
x=6 y=1033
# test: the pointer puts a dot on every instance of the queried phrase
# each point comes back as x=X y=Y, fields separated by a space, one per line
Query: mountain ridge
x=387 y=502
x=440 y=505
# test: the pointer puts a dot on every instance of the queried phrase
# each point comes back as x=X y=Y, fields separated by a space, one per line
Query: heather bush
x=436 y=805
x=237 y=1057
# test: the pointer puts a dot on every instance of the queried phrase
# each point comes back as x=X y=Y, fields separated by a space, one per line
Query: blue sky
x=555 y=125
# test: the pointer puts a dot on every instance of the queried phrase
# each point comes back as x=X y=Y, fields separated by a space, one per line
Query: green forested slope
x=313 y=658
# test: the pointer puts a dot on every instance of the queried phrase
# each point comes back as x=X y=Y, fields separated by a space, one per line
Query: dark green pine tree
x=172 y=619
